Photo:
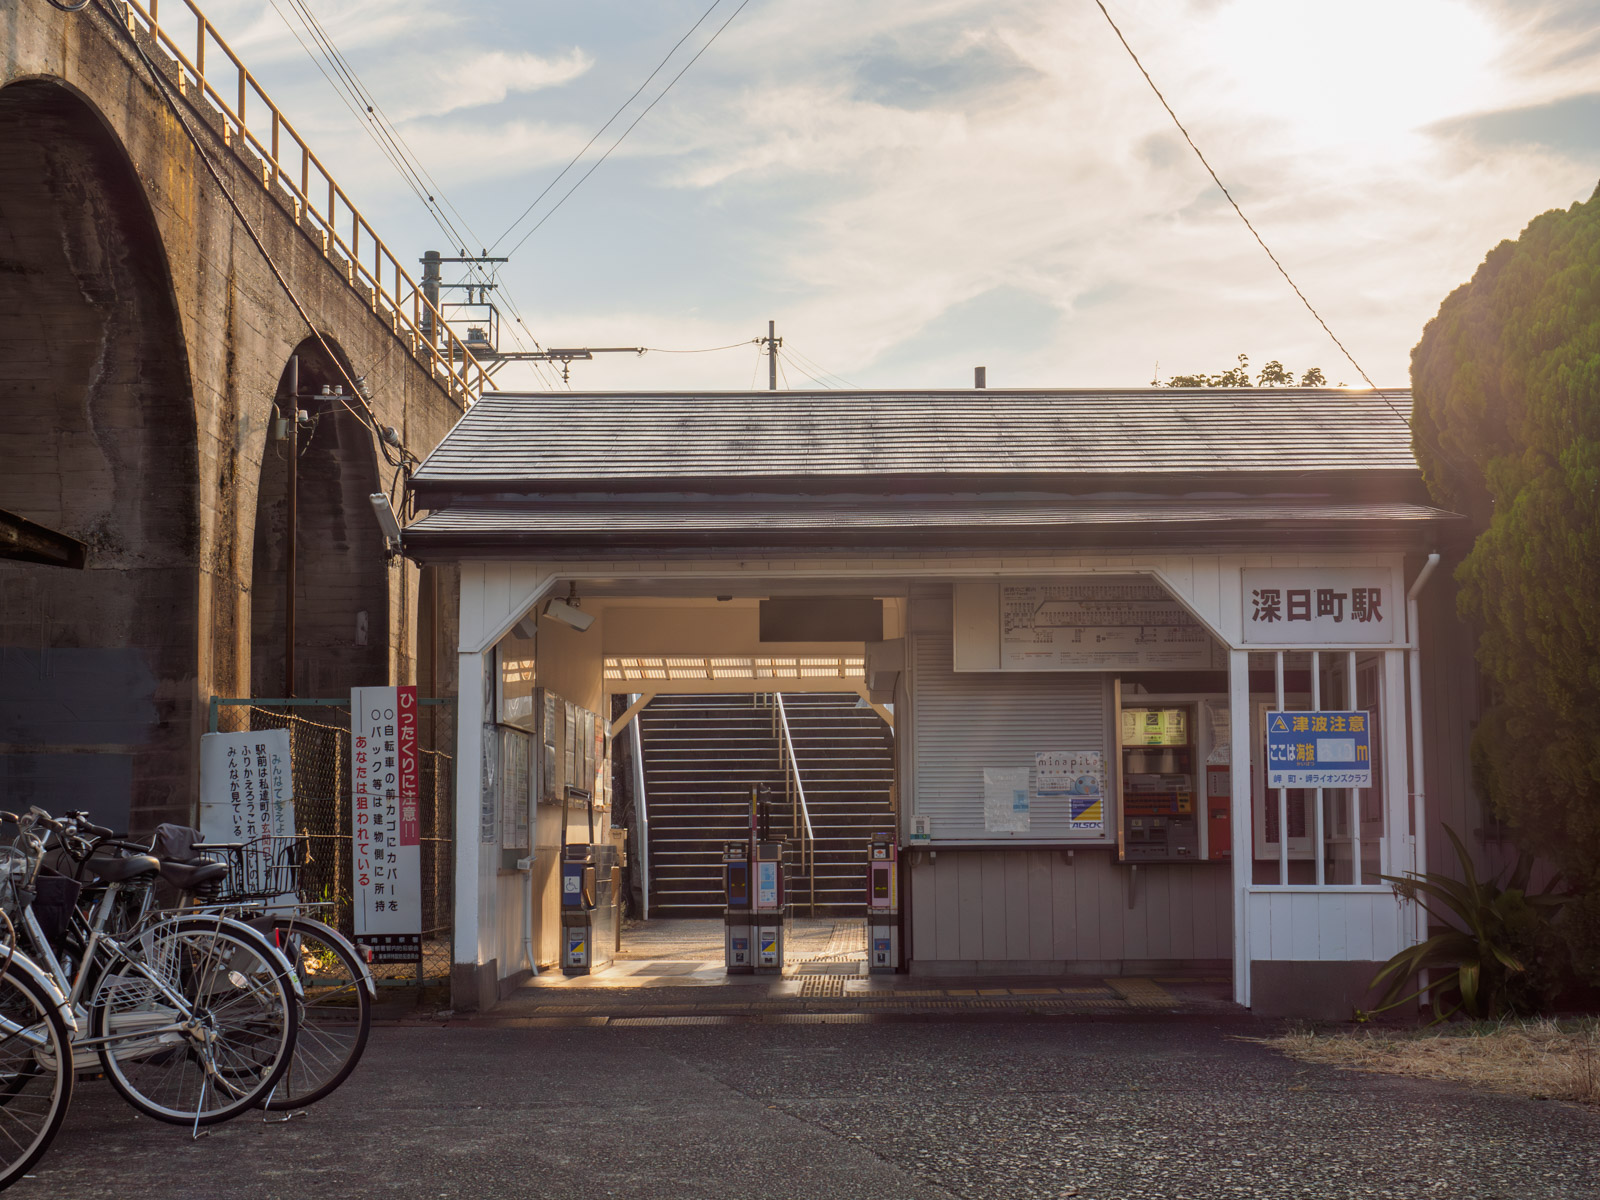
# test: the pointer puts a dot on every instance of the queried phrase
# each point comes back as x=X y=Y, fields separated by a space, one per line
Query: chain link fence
x=319 y=750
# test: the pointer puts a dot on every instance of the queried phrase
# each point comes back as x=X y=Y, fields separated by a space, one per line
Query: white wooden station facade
x=1054 y=568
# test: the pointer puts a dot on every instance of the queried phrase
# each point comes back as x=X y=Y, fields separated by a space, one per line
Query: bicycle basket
x=13 y=870
x=264 y=868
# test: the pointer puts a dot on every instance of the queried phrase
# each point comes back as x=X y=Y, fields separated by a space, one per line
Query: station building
x=1077 y=609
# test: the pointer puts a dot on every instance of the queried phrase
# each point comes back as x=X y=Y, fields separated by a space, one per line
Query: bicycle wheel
x=335 y=1011
x=208 y=1032
x=35 y=1073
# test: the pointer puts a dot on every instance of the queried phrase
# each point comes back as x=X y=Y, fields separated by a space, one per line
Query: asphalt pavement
x=1115 y=1108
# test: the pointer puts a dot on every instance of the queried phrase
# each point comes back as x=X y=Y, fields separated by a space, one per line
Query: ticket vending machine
x=770 y=912
x=883 y=905
x=738 y=934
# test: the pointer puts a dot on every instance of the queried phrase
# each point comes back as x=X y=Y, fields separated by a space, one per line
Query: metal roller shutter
x=964 y=723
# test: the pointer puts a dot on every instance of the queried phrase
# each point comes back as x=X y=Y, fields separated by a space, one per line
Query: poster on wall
x=246 y=786
x=1080 y=777
x=385 y=842
x=516 y=781
x=1100 y=626
x=1006 y=806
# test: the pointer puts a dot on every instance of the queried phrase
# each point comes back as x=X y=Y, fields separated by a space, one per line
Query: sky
x=912 y=188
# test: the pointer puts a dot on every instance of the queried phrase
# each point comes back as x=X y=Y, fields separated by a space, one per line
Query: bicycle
x=36 y=1078
x=338 y=990
x=192 y=1016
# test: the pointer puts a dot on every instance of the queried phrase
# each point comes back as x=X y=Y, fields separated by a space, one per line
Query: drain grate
x=821 y=986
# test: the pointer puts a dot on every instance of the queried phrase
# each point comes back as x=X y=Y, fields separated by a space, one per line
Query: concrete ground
x=998 y=1106
x=674 y=970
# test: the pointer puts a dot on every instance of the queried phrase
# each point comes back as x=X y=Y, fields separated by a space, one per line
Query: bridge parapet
x=264 y=138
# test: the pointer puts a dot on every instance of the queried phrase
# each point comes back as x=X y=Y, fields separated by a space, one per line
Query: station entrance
x=706 y=812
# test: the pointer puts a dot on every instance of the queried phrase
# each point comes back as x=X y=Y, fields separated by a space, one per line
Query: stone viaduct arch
x=143 y=341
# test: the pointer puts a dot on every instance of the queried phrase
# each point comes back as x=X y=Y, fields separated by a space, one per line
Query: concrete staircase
x=703 y=753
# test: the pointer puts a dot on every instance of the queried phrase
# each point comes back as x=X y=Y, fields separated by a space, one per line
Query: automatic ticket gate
x=756 y=915
x=883 y=905
x=771 y=908
x=737 y=912
x=589 y=917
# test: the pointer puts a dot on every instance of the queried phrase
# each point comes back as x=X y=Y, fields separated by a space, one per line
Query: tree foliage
x=1274 y=374
x=1506 y=425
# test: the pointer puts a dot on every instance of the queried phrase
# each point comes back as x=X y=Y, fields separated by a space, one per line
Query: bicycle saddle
x=119 y=869
x=191 y=877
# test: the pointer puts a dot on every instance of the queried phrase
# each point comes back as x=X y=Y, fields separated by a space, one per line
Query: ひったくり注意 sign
x=1319 y=750
x=1319 y=606
x=386 y=843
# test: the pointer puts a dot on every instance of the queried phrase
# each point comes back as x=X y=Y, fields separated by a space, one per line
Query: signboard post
x=1319 y=750
x=386 y=843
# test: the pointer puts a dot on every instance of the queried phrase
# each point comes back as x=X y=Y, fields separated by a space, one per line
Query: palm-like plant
x=1472 y=965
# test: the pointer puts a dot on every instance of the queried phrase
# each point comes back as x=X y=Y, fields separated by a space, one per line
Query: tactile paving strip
x=826 y=986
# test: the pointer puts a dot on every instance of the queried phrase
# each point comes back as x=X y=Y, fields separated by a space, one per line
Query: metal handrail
x=390 y=290
x=808 y=847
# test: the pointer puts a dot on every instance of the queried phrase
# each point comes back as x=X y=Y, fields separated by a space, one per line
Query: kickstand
x=266 y=1110
x=197 y=1133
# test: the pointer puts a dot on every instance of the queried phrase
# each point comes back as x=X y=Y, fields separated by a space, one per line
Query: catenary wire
x=621 y=108
x=1253 y=233
x=165 y=88
x=596 y=166
x=707 y=350
x=404 y=159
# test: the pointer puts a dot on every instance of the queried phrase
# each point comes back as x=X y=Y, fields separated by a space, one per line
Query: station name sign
x=1320 y=606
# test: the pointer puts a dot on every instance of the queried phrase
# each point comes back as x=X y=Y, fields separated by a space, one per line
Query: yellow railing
x=251 y=119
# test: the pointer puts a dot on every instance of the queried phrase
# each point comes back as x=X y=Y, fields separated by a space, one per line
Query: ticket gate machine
x=770 y=911
x=588 y=908
x=883 y=905
x=738 y=935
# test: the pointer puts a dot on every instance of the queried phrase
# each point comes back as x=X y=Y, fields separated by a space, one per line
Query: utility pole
x=772 y=341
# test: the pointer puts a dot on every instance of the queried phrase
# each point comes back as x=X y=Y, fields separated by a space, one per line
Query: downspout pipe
x=1418 y=770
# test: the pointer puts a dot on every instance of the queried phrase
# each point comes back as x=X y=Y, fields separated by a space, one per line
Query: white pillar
x=1243 y=836
x=469 y=788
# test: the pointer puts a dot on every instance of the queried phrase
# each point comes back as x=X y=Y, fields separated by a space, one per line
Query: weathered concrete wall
x=142 y=341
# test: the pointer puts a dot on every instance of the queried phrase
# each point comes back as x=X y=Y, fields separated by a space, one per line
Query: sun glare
x=1368 y=71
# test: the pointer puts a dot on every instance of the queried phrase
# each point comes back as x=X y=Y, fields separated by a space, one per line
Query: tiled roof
x=564 y=439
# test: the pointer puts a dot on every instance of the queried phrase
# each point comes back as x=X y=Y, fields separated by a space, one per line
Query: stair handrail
x=808 y=846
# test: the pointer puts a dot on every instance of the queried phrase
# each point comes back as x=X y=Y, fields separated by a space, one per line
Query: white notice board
x=246 y=786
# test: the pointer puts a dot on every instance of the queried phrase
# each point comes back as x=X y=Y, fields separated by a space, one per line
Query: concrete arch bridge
x=168 y=244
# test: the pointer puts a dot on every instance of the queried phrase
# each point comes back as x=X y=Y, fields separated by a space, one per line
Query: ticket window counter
x=1174 y=779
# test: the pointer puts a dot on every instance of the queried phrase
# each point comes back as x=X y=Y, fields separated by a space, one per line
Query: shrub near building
x=1506 y=425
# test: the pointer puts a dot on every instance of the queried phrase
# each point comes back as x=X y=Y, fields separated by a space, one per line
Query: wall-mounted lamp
x=387 y=523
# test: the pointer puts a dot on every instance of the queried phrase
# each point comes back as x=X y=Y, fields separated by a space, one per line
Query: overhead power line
x=596 y=166
x=364 y=106
x=609 y=122
x=1310 y=308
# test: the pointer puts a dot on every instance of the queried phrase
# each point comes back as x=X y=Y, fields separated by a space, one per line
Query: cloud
x=477 y=79
x=912 y=188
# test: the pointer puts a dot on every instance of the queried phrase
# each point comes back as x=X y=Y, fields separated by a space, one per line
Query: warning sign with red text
x=385 y=833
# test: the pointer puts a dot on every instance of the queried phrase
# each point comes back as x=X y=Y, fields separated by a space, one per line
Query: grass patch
x=1540 y=1058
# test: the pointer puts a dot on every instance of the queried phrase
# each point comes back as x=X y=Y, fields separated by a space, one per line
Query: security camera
x=568 y=615
x=386 y=522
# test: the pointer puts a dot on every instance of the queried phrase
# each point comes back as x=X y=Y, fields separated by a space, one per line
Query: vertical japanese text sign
x=385 y=842
x=246 y=787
